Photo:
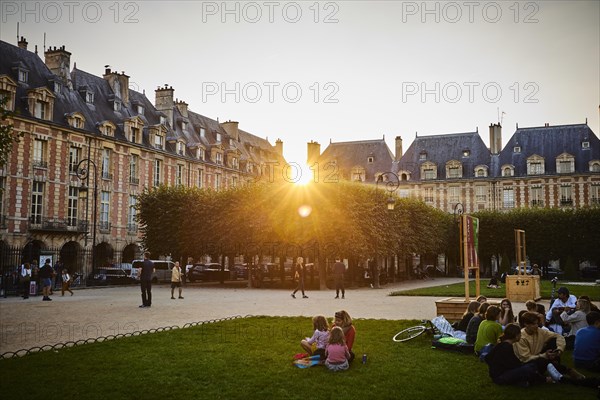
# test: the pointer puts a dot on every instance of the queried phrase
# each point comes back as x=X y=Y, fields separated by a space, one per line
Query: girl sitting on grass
x=319 y=337
x=337 y=351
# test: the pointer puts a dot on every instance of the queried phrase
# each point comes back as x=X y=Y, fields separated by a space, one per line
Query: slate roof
x=68 y=101
x=348 y=155
x=440 y=149
x=549 y=142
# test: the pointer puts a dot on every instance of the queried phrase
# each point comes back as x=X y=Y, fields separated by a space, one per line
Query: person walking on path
x=46 y=276
x=339 y=268
x=57 y=276
x=299 y=275
x=146 y=280
x=25 y=279
x=176 y=280
x=66 y=282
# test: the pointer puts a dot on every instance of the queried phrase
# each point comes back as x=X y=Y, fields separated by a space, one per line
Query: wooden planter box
x=453 y=308
x=521 y=288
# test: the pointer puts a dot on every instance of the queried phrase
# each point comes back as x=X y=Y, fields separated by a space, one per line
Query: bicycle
x=415 y=331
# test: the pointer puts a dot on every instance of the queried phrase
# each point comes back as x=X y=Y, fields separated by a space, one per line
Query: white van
x=162 y=270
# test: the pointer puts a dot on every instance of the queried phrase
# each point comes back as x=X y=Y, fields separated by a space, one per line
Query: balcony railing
x=40 y=164
x=566 y=202
x=38 y=223
x=132 y=228
x=104 y=226
x=537 y=203
x=595 y=201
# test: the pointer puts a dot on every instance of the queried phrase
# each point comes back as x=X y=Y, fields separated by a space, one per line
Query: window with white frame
x=481 y=193
x=234 y=181
x=108 y=130
x=131 y=213
x=41 y=109
x=537 y=196
x=219 y=158
x=202 y=132
x=585 y=145
x=180 y=148
x=235 y=163
x=428 y=195
x=422 y=156
x=370 y=159
x=134 y=161
x=517 y=149
x=140 y=109
x=135 y=135
x=200 y=177
x=454 y=194
x=106 y=155
x=39 y=153
x=218 y=137
x=507 y=171
x=89 y=97
x=508 y=197
x=23 y=76
x=454 y=172
x=158 y=142
x=74 y=156
x=179 y=177
x=595 y=166
x=535 y=167
x=157 y=172
x=37 y=201
x=163 y=120
x=480 y=172
x=117 y=105
x=566 y=195
x=72 y=206
x=565 y=164
x=104 y=210
x=595 y=195
x=217 y=181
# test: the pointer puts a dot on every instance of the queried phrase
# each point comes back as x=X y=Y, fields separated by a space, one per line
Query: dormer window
x=41 y=109
x=116 y=105
x=200 y=154
x=133 y=129
x=466 y=153
x=517 y=149
x=57 y=87
x=535 y=165
x=370 y=160
x=183 y=125
x=202 y=132
x=135 y=135
x=180 y=148
x=453 y=169
x=41 y=102
x=76 y=120
x=140 y=110
x=507 y=171
x=218 y=137
x=219 y=158
x=77 y=123
x=565 y=164
x=585 y=145
x=422 y=156
x=428 y=171
x=163 y=120
x=23 y=75
x=89 y=97
x=158 y=142
x=235 y=163
x=595 y=166
x=107 y=128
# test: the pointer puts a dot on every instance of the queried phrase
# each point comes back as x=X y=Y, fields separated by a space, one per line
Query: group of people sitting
x=332 y=343
x=522 y=353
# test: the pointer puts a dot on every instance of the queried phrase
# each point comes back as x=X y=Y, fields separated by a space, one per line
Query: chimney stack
x=163 y=101
x=58 y=62
x=22 y=43
x=495 y=138
x=231 y=127
x=182 y=106
x=279 y=147
x=398 y=148
x=313 y=152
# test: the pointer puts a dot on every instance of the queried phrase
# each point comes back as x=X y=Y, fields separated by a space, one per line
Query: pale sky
x=340 y=70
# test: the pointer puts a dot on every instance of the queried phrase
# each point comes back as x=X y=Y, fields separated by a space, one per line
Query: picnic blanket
x=444 y=327
x=307 y=362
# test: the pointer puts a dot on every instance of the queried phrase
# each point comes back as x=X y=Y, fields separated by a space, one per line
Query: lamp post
x=83 y=173
x=390 y=185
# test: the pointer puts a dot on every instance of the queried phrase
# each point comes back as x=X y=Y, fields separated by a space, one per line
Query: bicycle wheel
x=409 y=333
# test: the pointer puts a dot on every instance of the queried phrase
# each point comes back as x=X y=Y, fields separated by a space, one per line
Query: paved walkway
x=108 y=311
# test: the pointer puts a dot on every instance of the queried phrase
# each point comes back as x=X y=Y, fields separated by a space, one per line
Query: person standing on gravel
x=339 y=268
x=146 y=280
x=176 y=280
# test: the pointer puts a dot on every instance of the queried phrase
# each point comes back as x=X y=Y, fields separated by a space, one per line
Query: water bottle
x=364 y=359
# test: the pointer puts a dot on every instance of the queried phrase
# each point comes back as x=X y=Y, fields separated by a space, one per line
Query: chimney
x=495 y=138
x=279 y=147
x=182 y=106
x=313 y=152
x=119 y=83
x=22 y=43
x=398 y=148
x=163 y=101
x=58 y=62
x=231 y=127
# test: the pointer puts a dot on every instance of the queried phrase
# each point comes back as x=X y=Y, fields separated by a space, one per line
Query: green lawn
x=458 y=290
x=250 y=358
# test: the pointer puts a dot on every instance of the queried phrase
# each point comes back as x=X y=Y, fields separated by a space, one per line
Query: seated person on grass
x=504 y=366
x=473 y=325
x=344 y=321
x=469 y=313
x=506 y=313
x=587 y=344
x=553 y=315
x=576 y=319
x=489 y=330
x=545 y=347
x=593 y=307
x=493 y=283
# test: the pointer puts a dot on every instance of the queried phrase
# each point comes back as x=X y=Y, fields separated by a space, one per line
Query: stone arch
x=72 y=257
x=131 y=252
x=32 y=251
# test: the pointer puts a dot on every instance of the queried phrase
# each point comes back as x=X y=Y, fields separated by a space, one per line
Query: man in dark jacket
x=146 y=280
x=46 y=273
x=338 y=272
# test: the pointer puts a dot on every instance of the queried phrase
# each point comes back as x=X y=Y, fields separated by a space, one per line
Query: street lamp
x=458 y=210
x=390 y=185
x=83 y=173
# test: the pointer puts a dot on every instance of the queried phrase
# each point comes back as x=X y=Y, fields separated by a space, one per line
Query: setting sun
x=298 y=173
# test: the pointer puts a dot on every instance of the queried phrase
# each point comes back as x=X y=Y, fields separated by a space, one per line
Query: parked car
x=109 y=276
x=240 y=271
x=208 y=272
x=162 y=270
x=528 y=269
x=588 y=271
x=553 y=271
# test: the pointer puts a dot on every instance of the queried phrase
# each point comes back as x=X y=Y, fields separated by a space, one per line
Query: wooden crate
x=453 y=308
x=521 y=288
